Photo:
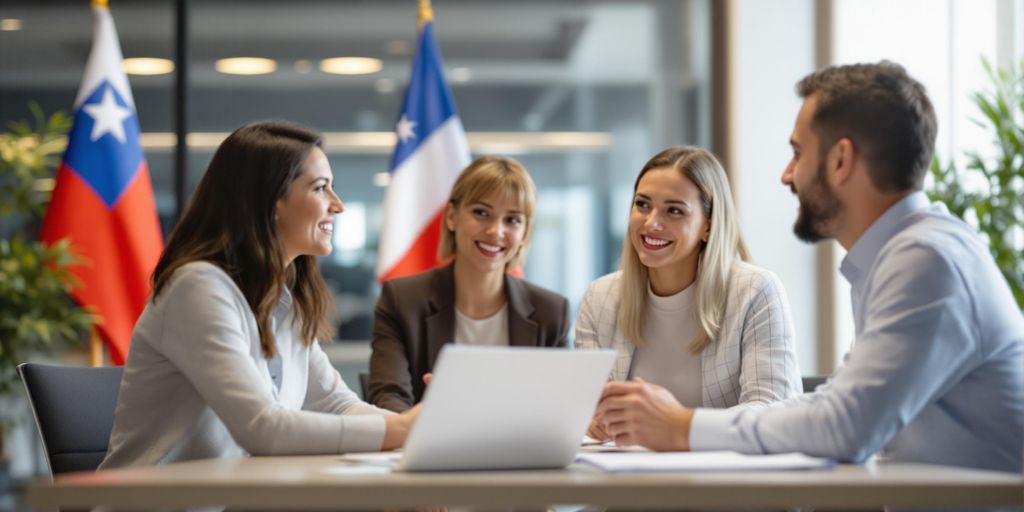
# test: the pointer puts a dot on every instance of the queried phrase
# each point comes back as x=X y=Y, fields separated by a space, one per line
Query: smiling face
x=305 y=215
x=488 y=232
x=667 y=222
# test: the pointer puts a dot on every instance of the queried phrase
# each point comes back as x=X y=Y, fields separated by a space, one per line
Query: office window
x=943 y=50
x=622 y=78
x=581 y=91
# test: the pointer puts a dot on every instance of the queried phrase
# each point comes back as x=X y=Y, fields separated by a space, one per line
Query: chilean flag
x=103 y=199
x=430 y=153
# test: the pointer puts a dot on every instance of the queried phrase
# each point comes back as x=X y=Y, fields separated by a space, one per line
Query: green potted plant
x=37 y=315
x=987 y=192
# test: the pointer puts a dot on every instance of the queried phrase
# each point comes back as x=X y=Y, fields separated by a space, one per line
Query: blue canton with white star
x=107 y=164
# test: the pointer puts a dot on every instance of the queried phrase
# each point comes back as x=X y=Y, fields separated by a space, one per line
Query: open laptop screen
x=506 y=408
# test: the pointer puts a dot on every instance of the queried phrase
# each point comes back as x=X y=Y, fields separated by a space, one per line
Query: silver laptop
x=505 y=408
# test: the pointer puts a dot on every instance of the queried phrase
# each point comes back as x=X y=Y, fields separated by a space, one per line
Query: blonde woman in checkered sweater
x=691 y=320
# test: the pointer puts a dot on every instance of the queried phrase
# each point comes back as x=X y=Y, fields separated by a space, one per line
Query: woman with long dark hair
x=225 y=358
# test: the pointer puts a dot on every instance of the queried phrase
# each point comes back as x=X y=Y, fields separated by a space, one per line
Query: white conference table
x=327 y=482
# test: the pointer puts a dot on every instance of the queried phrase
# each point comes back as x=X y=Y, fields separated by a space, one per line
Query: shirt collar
x=286 y=297
x=867 y=247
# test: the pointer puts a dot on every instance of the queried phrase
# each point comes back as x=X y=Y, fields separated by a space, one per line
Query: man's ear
x=841 y=161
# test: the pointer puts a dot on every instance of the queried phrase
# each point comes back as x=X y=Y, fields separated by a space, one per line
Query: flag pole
x=96 y=355
x=425 y=14
x=95 y=348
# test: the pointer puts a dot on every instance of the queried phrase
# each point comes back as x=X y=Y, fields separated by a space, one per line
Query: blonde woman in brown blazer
x=473 y=299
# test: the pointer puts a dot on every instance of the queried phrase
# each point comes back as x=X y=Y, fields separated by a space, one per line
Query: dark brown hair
x=230 y=222
x=886 y=114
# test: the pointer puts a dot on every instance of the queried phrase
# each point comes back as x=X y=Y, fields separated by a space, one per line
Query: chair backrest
x=74 y=410
x=812 y=382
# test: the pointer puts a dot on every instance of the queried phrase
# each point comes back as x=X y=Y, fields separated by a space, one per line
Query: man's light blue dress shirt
x=936 y=374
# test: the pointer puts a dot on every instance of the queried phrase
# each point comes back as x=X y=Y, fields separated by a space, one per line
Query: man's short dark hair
x=886 y=114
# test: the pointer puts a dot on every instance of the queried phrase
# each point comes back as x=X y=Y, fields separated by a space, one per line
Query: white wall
x=772 y=47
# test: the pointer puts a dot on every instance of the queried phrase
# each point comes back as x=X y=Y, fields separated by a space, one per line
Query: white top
x=197 y=386
x=753 y=361
x=936 y=374
x=666 y=359
x=491 y=331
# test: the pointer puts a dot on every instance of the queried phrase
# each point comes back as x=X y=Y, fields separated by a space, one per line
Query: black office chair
x=74 y=411
x=812 y=382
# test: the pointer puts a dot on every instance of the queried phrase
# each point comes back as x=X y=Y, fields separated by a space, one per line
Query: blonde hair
x=717 y=256
x=484 y=176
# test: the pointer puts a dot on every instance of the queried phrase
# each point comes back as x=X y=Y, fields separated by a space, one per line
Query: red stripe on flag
x=120 y=248
x=422 y=256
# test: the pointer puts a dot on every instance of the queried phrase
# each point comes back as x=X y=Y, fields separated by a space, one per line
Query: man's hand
x=640 y=413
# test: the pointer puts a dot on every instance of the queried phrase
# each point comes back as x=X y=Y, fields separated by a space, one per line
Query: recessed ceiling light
x=246 y=66
x=351 y=65
x=10 y=24
x=147 y=66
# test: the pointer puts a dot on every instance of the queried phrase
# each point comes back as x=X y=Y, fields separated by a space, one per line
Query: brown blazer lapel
x=441 y=323
x=521 y=330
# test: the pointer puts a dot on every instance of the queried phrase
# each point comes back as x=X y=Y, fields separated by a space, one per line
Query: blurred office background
x=583 y=92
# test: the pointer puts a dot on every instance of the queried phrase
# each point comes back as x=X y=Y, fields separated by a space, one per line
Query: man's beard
x=818 y=208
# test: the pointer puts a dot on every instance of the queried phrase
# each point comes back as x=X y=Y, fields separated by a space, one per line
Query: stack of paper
x=615 y=462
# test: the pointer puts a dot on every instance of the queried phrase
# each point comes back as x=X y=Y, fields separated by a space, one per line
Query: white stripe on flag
x=419 y=188
x=104 y=60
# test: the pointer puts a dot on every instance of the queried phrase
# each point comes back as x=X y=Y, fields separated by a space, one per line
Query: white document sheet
x=386 y=459
x=616 y=462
